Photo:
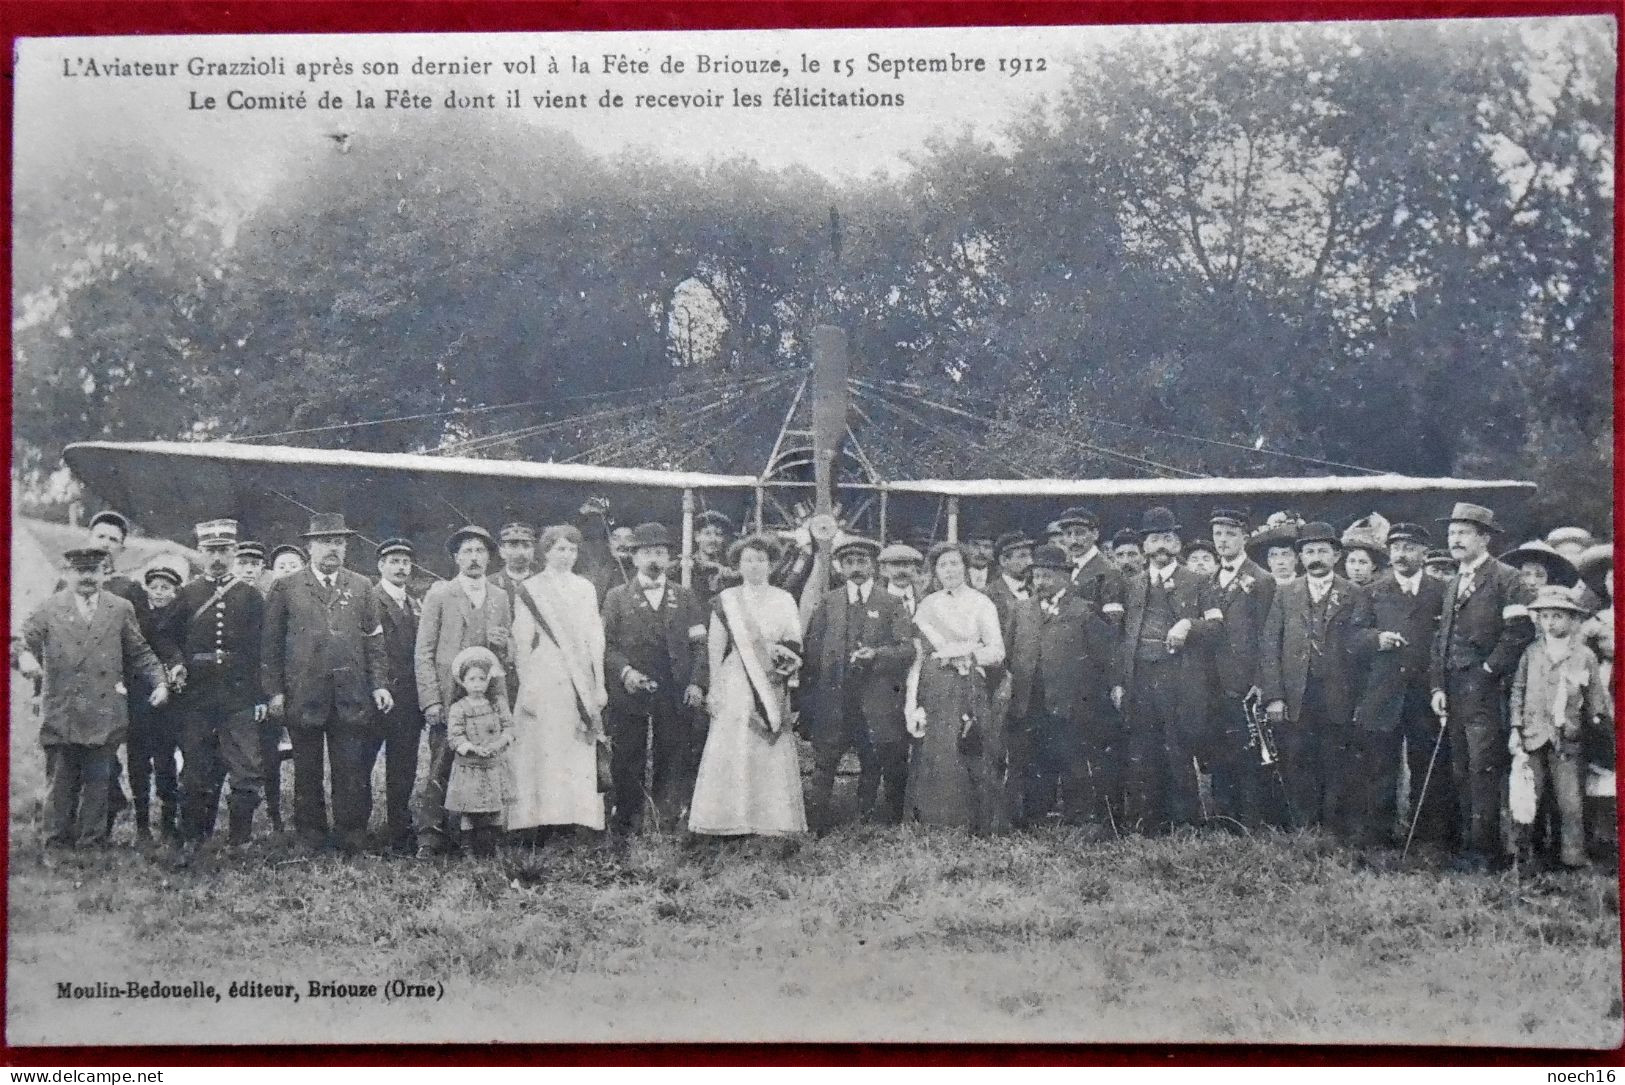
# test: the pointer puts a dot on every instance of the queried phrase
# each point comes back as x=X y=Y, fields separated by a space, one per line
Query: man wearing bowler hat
x=1169 y=615
x=1399 y=616
x=326 y=672
x=1307 y=681
x=1061 y=658
x=859 y=645
x=1484 y=626
x=1244 y=591
x=655 y=668
x=464 y=612
x=222 y=703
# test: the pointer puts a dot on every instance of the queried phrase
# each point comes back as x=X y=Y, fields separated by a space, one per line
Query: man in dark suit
x=1169 y=612
x=1094 y=578
x=1126 y=553
x=1484 y=626
x=1306 y=655
x=1245 y=590
x=712 y=530
x=1398 y=619
x=398 y=731
x=325 y=668
x=859 y=646
x=655 y=668
x=1061 y=658
x=221 y=704
x=1010 y=586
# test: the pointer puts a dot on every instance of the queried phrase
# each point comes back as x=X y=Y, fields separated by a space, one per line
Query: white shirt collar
x=644 y=584
x=1163 y=576
x=1085 y=559
x=1472 y=570
x=474 y=589
x=396 y=593
x=1016 y=585
x=1319 y=585
x=1410 y=585
x=858 y=594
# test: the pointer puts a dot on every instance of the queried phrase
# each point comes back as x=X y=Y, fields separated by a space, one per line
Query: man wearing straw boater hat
x=1484 y=626
x=326 y=671
x=463 y=612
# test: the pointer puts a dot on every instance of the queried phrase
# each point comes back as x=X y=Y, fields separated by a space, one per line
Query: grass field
x=865 y=935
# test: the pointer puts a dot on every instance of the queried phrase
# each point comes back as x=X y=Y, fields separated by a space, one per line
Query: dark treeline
x=1387 y=246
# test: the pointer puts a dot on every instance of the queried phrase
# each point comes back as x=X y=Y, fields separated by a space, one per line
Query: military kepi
x=216 y=532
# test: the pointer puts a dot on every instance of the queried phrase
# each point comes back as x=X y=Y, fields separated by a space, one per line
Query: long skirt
x=947 y=786
x=749 y=781
x=554 y=762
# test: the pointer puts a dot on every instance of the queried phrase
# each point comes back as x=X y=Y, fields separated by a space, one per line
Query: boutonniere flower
x=1335 y=599
x=1246 y=581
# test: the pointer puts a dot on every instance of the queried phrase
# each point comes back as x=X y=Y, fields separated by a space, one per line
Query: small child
x=479 y=729
x=1556 y=695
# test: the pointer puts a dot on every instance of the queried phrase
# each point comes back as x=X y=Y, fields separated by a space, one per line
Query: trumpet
x=1260 y=736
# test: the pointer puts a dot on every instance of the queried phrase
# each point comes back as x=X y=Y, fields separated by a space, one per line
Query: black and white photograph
x=1023 y=535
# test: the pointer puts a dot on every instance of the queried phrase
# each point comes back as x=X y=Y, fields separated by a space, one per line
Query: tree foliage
x=1359 y=244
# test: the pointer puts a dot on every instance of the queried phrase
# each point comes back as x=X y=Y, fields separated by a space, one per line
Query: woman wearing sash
x=558 y=645
x=750 y=780
x=954 y=773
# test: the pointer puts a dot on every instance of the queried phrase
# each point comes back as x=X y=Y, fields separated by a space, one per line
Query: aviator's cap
x=1011 y=540
x=395 y=546
x=251 y=549
x=108 y=516
x=650 y=535
x=1051 y=557
x=83 y=559
x=215 y=532
x=162 y=572
x=899 y=553
x=854 y=544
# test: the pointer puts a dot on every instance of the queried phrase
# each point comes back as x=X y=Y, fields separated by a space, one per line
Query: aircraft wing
x=166 y=487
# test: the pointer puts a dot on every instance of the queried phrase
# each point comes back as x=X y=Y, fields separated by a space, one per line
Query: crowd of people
x=1391 y=683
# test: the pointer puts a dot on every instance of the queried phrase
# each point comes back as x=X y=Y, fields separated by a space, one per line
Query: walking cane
x=1421 y=796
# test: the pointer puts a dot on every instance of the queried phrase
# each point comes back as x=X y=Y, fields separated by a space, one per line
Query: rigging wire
x=761 y=395
x=486 y=409
x=625 y=445
x=914 y=389
x=938 y=433
x=1163 y=469
x=525 y=433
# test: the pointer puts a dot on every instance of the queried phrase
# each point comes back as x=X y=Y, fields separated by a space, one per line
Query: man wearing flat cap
x=900 y=567
x=1397 y=620
x=1161 y=687
x=1244 y=591
x=1061 y=659
x=326 y=671
x=1094 y=579
x=1484 y=626
x=859 y=645
x=655 y=669
x=464 y=612
x=1307 y=680
x=399 y=730
x=80 y=644
x=222 y=702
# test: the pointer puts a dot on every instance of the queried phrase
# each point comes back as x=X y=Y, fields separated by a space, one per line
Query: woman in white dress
x=749 y=781
x=558 y=645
